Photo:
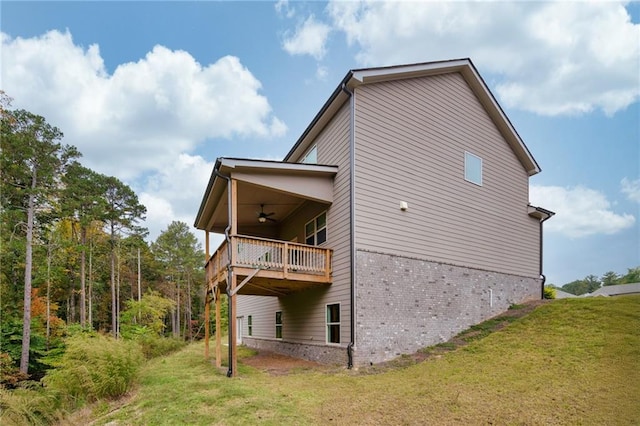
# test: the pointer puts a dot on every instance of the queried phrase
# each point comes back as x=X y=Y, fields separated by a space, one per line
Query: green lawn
x=571 y=361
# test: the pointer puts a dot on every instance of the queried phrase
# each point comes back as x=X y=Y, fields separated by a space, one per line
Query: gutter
x=548 y=215
x=229 y=267
x=352 y=220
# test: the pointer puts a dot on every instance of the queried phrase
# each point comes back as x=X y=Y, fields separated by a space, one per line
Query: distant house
x=560 y=294
x=400 y=217
x=617 y=290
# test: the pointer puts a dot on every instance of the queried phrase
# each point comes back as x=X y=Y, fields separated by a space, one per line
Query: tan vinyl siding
x=304 y=312
x=411 y=136
x=263 y=312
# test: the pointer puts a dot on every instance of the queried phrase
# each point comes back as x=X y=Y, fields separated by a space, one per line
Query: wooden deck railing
x=273 y=255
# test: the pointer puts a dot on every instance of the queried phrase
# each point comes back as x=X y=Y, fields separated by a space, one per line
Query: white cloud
x=284 y=8
x=321 y=73
x=580 y=211
x=174 y=192
x=631 y=188
x=144 y=114
x=310 y=38
x=552 y=58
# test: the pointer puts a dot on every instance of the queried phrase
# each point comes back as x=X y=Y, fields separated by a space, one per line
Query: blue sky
x=154 y=92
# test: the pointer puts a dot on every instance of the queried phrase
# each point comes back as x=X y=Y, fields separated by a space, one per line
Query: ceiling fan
x=263 y=217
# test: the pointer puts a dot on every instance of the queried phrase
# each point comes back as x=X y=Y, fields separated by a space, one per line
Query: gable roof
x=465 y=67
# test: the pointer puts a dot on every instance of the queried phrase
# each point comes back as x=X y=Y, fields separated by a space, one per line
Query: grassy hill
x=571 y=361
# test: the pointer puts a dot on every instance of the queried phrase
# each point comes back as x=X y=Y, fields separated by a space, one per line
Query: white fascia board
x=395 y=72
x=235 y=163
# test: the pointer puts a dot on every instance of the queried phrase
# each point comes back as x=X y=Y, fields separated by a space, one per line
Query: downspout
x=352 y=221
x=229 y=267
x=542 y=276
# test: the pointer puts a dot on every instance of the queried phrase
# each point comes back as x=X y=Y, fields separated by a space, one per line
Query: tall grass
x=94 y=367
x=26 y=407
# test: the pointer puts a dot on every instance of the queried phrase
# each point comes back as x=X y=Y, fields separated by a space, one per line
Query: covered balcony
x=262 y=209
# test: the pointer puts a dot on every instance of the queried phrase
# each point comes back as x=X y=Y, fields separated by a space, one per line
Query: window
x=279 y=325
x=315 y=231
x=250 y=325
x=333 y=323
x=312 y=156
x=472 y=168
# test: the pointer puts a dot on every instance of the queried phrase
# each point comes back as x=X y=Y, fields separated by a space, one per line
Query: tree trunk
x=83 y=292
x=90 y=285
x=114 y=328
x=118 y=293
x=178 y=310
x=28 y=263
x=189 y=316
x=49 y=254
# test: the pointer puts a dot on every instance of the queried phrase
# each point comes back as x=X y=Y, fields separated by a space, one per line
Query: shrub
x=95 y=367
x=154 y=346
x=549 y=292
x=26 y=407
x=10 y=375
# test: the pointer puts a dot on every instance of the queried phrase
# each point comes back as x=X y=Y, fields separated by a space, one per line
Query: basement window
x=279 y=325
x=315 y=231
x=472 y=168
x=333 y=323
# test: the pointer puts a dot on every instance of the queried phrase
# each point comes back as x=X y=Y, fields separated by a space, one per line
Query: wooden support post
x=285 y=260
x=233 y=361
x=234 y=208
x=218 y=329
x=233 y=335
x=327 y=265
x=207 y=317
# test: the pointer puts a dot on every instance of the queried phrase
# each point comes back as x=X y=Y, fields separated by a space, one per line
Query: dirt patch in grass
x=279 y=365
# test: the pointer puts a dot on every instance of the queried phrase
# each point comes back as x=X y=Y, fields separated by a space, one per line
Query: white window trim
x=314 y=148
x=249 y=325
x=279 y=325
x=468 y=154
x=316 y=230
x=327 y=324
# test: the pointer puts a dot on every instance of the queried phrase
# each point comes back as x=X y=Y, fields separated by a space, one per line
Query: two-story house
x=399 y=218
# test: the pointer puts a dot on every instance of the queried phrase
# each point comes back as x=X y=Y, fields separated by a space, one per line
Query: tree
x=181 y=254
x=83 y=203
x=146 y=314
x=632 y=276
x=123 y=211
x=592 y=282
x=32 y=163
x=610 y=278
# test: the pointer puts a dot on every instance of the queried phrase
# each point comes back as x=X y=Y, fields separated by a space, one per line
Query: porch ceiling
x=280 y=187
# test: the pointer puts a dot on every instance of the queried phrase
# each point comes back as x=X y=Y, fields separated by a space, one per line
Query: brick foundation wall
x=406 y=304
x=318 y=353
